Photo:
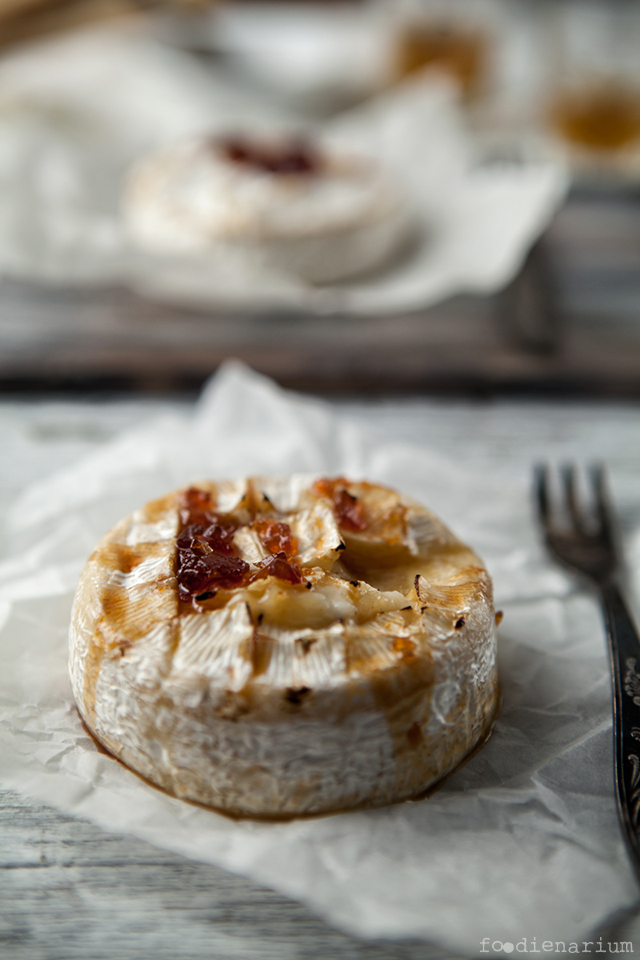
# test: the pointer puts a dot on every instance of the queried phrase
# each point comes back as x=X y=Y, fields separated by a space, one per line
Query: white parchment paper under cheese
x=523 y=841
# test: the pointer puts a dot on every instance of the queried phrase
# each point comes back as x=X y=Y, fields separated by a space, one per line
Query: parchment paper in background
x=76 y=112
x=523 y=841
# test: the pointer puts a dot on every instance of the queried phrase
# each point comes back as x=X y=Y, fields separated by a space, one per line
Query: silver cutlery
x=582 y=537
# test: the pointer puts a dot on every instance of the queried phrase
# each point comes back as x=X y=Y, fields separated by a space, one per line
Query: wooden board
x=70 y=891
x=569 y=324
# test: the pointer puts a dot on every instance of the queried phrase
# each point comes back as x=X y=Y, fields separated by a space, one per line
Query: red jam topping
x=194 y=501
x=278 y=566
x=207 y=558
x=293 y=157
x=347 y=508
x=276 y=537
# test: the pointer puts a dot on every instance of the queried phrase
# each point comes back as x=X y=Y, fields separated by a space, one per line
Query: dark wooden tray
x=569 y=324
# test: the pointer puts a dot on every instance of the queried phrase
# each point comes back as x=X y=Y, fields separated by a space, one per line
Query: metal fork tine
x=598 y=477
x=542 y=494
x=570 y=481
x=588 y=547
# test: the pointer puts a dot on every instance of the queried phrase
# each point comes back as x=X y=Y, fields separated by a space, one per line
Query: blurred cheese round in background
x=319 y=214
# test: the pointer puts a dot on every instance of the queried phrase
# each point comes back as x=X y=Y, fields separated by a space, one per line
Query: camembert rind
x=363 y=685
x=189 y=202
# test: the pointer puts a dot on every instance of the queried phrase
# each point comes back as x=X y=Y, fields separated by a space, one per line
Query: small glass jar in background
x=593 y=101
x=454 y=37
x=547 y=76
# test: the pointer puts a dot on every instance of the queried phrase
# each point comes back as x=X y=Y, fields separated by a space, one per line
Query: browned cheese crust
x=284 y=646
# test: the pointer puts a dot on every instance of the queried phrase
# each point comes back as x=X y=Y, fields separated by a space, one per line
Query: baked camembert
x=281 y=646
x=320 y=214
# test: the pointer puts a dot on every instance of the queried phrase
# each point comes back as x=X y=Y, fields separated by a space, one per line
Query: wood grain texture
x=70 y=891
x=569 y=324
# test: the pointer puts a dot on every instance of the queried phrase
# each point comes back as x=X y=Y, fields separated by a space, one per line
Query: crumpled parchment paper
x=75 y=113
x=522 y=842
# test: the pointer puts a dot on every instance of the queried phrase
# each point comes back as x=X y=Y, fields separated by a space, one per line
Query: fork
x=584 y=541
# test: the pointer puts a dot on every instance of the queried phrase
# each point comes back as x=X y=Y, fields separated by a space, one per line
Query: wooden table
x=70 y=891
x=570 y=324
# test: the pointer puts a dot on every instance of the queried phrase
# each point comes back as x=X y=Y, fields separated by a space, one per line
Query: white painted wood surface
x=69 y=891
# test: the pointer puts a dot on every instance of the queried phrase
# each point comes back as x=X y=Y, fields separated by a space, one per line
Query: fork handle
x=624 y=655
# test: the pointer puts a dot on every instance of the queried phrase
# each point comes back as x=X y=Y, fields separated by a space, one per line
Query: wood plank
x=569 y=324
x=62 y=337
x=70 y=891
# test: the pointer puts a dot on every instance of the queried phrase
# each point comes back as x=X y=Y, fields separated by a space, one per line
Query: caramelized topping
x=194 y=502
x=204 y=573
x=276 y=537
x=406 y=648
x=196 y=508
x=207 y=558
x=287 y=158
x=278 y=566
x=347 y=508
